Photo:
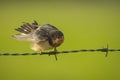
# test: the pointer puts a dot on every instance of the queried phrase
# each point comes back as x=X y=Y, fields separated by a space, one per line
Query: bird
x=43 y=37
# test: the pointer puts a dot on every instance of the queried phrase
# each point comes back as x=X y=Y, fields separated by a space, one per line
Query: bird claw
x=41 y=52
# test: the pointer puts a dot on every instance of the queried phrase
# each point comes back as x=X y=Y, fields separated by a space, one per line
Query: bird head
x=56 y=38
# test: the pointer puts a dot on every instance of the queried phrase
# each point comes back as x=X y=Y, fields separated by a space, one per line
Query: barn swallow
x=43 y=37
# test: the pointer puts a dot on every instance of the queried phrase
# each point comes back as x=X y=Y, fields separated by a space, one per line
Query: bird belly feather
x=41 y=46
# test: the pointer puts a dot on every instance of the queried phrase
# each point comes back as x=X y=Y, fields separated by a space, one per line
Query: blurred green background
x=85 y=24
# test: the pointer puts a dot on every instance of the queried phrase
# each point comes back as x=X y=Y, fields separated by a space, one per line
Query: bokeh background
x=85 y=24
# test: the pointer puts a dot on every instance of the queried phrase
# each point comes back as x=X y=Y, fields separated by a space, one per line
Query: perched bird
x=43 y=37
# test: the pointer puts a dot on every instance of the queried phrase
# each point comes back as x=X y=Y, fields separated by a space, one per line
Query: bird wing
x=33 y=32
x=26 y=32
x=48 y=27
x=42 y=33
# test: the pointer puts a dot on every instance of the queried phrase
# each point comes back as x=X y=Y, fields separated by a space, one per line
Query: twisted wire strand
x=61 y=52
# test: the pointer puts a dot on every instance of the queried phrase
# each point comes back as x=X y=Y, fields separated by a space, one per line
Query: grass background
x=85 y=24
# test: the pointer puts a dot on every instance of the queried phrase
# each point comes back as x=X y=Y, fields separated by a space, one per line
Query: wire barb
x=106 y=50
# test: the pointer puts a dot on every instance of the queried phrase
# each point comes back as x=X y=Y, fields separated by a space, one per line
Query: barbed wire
x=106 y=50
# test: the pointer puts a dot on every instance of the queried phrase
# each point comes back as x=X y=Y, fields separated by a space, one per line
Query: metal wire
x=106 y=50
